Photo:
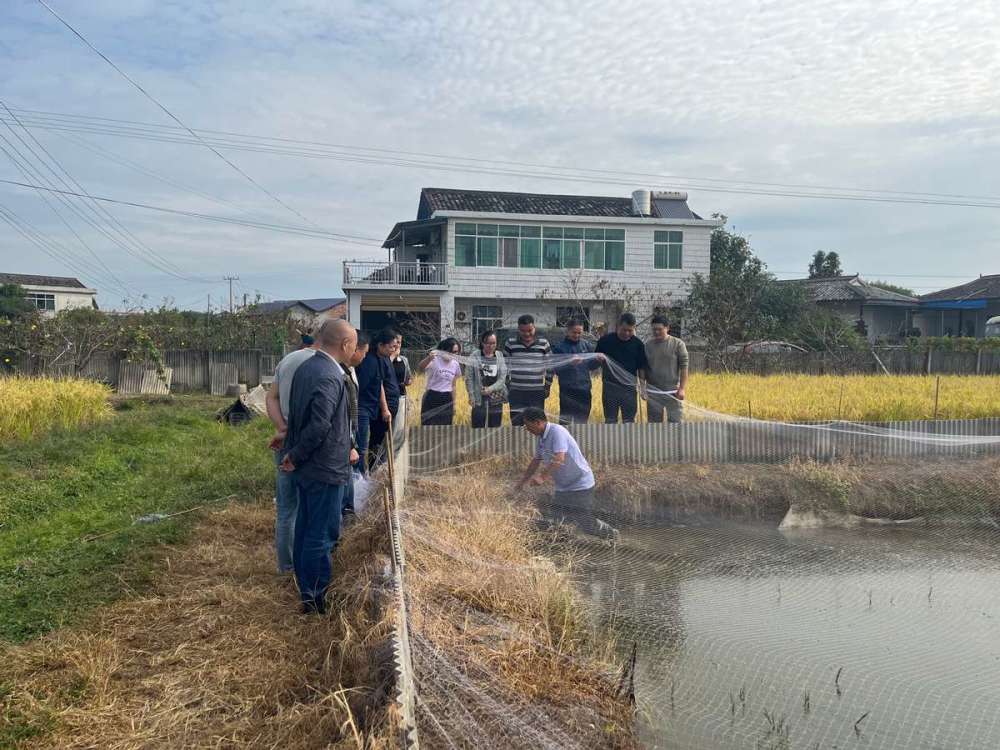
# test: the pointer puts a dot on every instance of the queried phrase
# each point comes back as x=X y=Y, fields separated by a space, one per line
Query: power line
x=158 y=262
x=288 y=229
x=316 y=149
x=170 y=114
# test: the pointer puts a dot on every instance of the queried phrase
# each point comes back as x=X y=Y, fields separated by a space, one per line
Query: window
x=563 y=315
x=41 y=300
x=668 y=249
x=552 y=248
x=487 y=251
x=485 y=318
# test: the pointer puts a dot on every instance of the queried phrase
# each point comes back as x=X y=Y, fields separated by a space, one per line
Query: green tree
x=13 y=303
x=824 y=265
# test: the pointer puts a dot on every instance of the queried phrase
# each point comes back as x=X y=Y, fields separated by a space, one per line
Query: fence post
x=208 y=370
x=979 y=361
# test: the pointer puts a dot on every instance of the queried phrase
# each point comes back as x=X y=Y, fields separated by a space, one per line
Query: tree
x=739 y=301
x=13 y=303
x=824 y=265
x=893 y=288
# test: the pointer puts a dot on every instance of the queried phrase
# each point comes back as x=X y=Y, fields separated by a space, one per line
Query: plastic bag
x=362 y=489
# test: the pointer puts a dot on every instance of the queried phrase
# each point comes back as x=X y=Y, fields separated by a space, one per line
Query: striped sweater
x=528 y=364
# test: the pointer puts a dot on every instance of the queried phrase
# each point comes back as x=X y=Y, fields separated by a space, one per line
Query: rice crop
x=32 y=406
x=799 y=398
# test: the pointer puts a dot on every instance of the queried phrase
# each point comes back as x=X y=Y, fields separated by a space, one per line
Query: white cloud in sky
x=893 y=95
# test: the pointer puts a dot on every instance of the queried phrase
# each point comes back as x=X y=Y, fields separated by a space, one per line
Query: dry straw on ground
x=504 y=654
x=217 y=655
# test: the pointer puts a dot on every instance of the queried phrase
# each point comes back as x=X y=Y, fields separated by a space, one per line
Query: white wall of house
x=62 y=298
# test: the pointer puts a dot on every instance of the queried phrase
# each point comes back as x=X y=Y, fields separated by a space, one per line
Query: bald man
x=318 y=448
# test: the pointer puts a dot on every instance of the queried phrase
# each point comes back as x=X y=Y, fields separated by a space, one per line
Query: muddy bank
x=939 y=491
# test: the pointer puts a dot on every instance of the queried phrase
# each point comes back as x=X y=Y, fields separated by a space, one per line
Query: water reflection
x=751 y=637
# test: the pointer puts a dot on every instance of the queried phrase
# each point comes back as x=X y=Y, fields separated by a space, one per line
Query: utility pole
x=231 y=279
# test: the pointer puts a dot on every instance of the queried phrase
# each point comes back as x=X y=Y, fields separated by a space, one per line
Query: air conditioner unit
x=460 y=316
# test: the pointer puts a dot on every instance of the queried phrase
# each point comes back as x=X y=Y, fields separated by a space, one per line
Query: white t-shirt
x=575 y=473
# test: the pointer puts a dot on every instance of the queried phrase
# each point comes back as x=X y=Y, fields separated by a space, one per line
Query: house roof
x=985 y=287
x=32 y=280
x=492 y=201
x=850 y=289
x=317 y=305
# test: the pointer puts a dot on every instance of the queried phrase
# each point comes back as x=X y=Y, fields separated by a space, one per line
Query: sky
x=712 y=98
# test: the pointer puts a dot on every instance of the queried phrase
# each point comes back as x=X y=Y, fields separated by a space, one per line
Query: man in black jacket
x=319 y=453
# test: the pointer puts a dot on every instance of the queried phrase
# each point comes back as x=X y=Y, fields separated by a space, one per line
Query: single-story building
x=52 y=294
x=960 y=310
x=307 y=312
x=886 y=314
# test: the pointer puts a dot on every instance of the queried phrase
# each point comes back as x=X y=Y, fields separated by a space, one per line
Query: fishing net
x=732 y=583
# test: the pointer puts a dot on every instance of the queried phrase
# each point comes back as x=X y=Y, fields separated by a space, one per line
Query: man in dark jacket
x=624 y=357
x=574 y=374
x=319 y=453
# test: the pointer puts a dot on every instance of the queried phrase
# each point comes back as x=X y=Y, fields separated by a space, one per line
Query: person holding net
x=530 y=380
x=667 y=373
x=438 y=404
x=486 y=382
x=573 y=367
x=624 y=358
x=559 y=458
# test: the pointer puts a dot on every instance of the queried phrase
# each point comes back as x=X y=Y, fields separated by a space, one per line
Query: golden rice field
x=800 y=398
x=32 y=406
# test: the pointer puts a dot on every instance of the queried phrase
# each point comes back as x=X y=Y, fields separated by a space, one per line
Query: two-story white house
x=51 y=294
x=475 y=260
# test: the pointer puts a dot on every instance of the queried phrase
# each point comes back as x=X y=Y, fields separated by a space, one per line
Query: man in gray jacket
x=318 y=455
x=667 y=374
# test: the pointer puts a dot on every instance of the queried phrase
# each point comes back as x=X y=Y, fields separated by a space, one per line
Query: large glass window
x=528 y=246
x=552 y=254
x=41 y=300
x=668 y=249
x=487 y=255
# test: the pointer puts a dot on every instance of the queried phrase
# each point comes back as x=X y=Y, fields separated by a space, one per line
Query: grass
x=497 y=627
x=801 y=398
x=33 y=406
x=215 y=654
x=69 y=498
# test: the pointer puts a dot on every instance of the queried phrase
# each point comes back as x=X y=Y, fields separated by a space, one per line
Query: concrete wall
x=65 y=298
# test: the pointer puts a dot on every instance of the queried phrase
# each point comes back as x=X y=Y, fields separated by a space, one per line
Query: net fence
x=774 y=596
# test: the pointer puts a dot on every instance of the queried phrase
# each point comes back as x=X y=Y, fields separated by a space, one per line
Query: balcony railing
x=372 y=273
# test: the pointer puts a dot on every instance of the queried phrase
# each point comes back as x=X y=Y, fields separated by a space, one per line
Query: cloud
x=896 y=95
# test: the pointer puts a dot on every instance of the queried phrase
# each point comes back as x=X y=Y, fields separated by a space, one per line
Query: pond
x=750 y=637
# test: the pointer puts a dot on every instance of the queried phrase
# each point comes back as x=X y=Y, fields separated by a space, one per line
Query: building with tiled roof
x=962 y=310
x=52 y=294
x=475 y=260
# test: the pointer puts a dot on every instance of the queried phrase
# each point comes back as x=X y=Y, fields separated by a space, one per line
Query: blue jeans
x=317 y=529
x=287 y=505
x=364 y=430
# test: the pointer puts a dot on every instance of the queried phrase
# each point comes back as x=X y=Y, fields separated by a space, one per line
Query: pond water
x=750 y=637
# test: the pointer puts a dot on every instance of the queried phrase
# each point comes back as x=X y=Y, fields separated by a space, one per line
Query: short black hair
x=660 y=320
x=363 y=340
x=448 y=344
x=385 y=336
x=526 y=320
x=626 y=319
x=573 y=322
x=534 y=414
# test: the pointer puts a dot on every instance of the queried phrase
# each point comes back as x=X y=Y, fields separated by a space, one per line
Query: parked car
x=993 y=326
x=764 y=347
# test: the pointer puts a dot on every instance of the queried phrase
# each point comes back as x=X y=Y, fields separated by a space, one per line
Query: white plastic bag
x=362 y=489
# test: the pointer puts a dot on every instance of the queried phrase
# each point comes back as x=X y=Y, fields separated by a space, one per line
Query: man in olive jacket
x=318 y=455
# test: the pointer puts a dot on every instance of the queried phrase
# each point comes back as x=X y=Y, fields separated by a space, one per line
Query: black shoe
x=309 y=608
x=320 y=605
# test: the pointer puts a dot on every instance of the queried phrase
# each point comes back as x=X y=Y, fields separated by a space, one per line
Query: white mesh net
x=777 y=599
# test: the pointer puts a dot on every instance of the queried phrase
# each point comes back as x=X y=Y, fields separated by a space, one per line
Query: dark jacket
x=319 y=426
x=575 y=377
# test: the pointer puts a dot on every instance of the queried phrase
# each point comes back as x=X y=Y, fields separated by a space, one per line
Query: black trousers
x=437 y=408
x=489 y=413
x=574 y=405
x=521 y=400
x=619 y=399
